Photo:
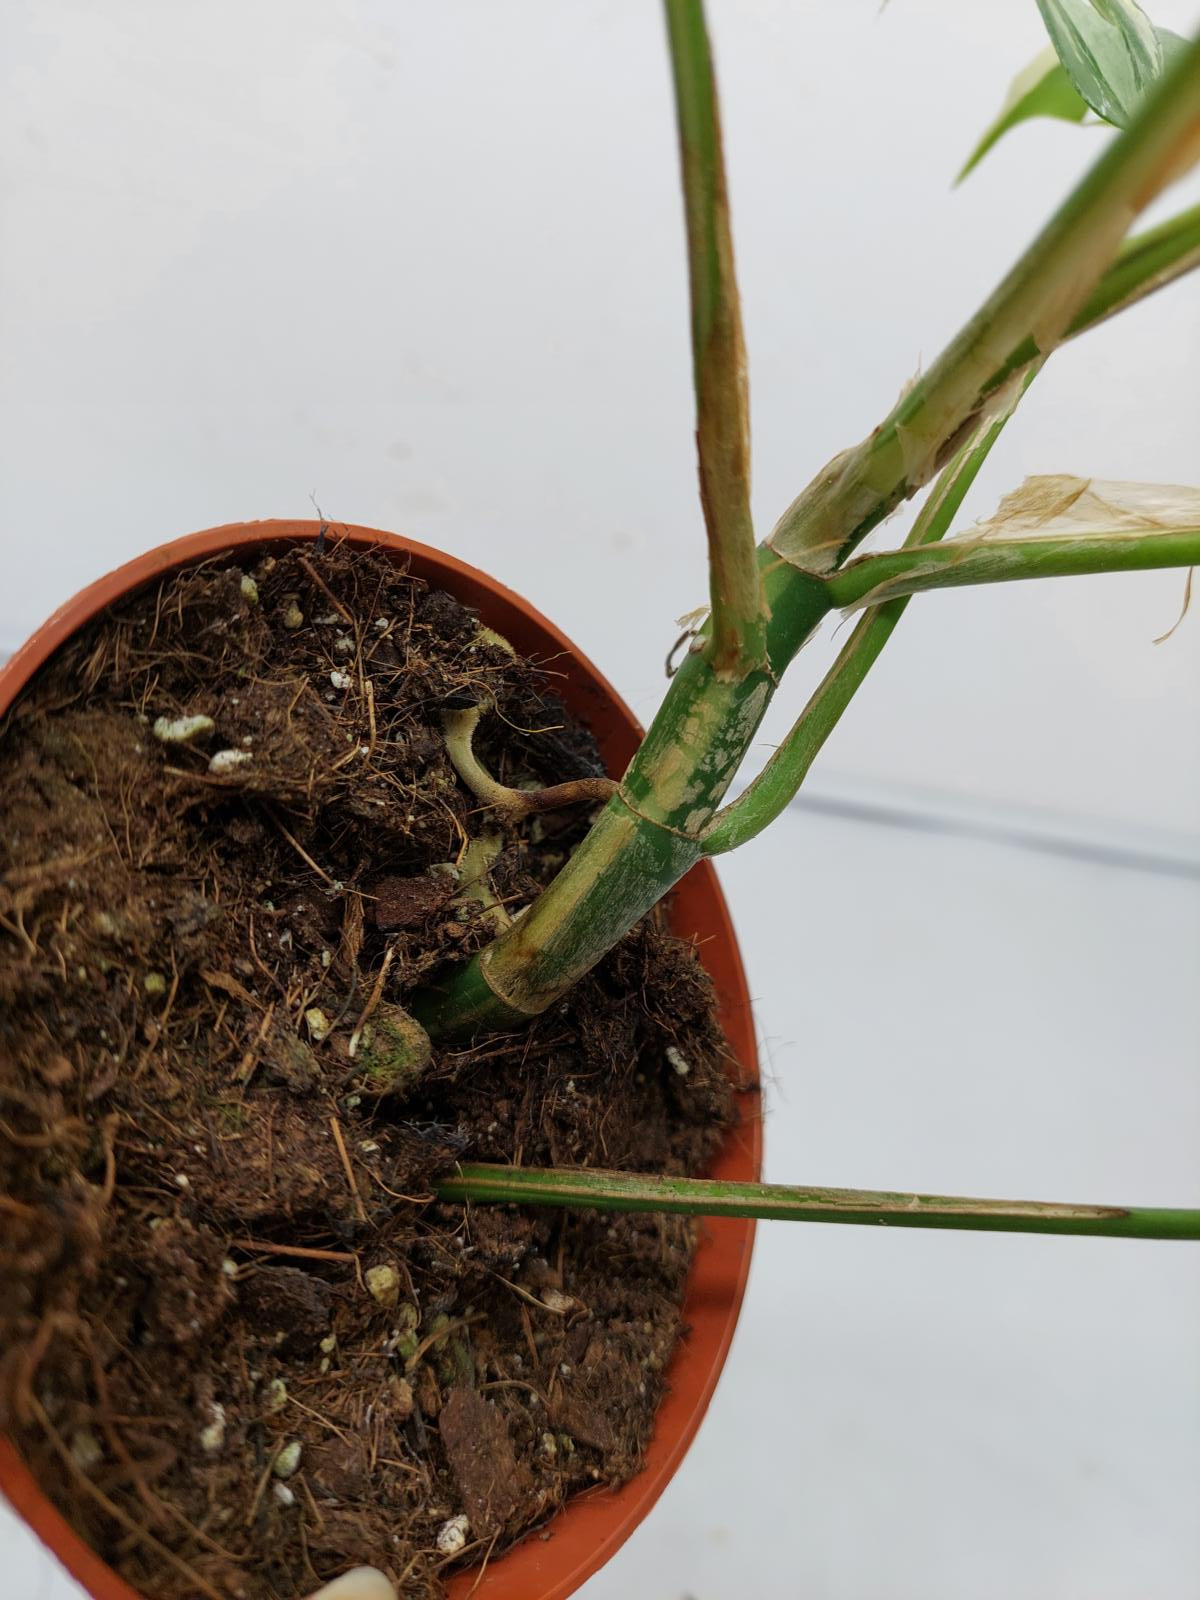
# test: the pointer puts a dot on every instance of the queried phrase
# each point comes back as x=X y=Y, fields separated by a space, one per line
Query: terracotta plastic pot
x=593 y=1527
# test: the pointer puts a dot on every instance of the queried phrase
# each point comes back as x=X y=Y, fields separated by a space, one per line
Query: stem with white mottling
x=714 y=1197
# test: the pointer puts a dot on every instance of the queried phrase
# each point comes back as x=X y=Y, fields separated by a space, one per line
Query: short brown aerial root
x=513 y=804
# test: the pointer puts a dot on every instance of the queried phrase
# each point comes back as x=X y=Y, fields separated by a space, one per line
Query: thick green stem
x=776 y=785
x=737 y=641
x=710 y=1197
x=644 y=840
x=1145 y=263
x=1028 y=315
x=655 y=828
x=960 y=562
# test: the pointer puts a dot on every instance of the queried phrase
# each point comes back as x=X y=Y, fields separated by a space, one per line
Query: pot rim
x=591 y=1527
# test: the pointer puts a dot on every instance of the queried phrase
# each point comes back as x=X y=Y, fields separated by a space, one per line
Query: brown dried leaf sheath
x=492 y=1484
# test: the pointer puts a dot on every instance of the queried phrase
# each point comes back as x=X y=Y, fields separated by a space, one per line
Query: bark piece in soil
x=290 y=1307
x=492 y=1483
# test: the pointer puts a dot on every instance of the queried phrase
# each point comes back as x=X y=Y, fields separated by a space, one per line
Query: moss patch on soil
x=242 y=1348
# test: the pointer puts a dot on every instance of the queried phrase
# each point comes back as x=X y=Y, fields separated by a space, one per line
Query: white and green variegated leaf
x=1104 y=57
x=1043 y=89
x=1110 y=49
x=1172 y=44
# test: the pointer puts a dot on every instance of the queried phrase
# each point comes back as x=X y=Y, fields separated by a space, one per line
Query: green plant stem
x=1027 y=316
x=654 y=829
x=737 y=641
x=644 y=840
x=776 y=785
x=1145 y=263
x=961 y=562
x=710 y=1197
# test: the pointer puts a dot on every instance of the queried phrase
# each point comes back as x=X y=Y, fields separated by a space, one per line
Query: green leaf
x=1171 y=44
x=1112 y=52
x=1043 y=89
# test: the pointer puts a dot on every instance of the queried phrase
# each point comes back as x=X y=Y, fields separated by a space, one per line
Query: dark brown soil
x=199 y=1185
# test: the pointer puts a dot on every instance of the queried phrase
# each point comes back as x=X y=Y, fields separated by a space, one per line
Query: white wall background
x=427 y=263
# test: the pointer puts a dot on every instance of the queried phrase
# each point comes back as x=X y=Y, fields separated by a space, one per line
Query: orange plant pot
x=593 y=1527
